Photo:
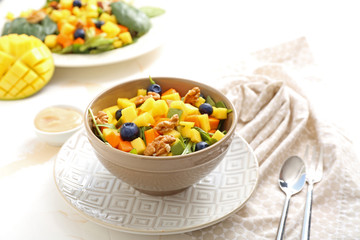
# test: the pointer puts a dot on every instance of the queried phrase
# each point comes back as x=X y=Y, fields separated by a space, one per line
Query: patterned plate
x=106 y=200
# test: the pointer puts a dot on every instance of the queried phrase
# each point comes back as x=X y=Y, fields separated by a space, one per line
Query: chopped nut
x=141 y=99
x=192 y=96
x=160 y=146
x=36 y=16
x=101 y=117
x=167 y=126
x=79 y=24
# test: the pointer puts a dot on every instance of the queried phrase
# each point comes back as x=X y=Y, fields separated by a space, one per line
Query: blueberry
x=154 y=88
x=99 y=23
x=77 y=3
x=118 y=114
x=201 y=145
x=206 y=108
x=129 y=131
x=79 y=33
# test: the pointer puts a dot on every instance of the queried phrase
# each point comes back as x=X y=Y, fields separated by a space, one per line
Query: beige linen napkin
x=277 y=120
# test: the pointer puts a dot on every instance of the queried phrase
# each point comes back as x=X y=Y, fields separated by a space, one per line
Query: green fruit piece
x=178 y=147
x=173 y=111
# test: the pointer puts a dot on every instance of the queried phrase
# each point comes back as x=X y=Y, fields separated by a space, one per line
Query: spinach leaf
x=137 y=21
x=152 y=11
x=22 y=26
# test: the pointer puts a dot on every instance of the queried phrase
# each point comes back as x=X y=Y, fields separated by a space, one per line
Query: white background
x=201 y=38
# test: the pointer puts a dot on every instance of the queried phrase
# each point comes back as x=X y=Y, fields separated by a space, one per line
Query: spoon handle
x=281 y=228
x=305 y=234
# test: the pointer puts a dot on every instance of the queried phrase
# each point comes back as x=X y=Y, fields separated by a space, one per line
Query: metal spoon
x=291 y=181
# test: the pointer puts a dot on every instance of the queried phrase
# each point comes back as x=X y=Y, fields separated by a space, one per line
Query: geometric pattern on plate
x=99 y=196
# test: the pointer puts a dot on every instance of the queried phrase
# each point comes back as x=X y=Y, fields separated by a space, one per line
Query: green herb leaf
x=97 y=127
x=151 y=80
x=137 y=21
x=152 y=11
x=210 y=101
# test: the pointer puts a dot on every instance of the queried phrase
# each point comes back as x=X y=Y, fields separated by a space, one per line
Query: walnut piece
x=101 y=117
x=36 y=16
x=160 y=146
x=192 y=96
x=167 y=126
x=141 y=99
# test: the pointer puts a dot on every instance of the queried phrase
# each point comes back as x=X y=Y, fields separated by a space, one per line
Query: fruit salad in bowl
x=162 y=123
x=160 y=135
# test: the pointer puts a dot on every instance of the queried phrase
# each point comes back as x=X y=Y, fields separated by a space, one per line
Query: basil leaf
x=137 y=21
x=152 y=11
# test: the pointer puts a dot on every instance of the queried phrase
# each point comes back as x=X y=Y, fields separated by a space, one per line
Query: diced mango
x=112 y=110
x=50 y=40
x=128 y=114
x=124 y=103
x=148 y=105
x=67 y=29
x=187 y=124
x=172 y=96
x=218 y=135
x=125 y=37
x=185 y=131
x=111 y=29
x=195 y=135
x=139 y=145
x=219 y=113
x=191 y=110
x=141 y=92
x=144 y=119
x=204 y=122
x=174 y=133
x=199 y=102
x=160 y=108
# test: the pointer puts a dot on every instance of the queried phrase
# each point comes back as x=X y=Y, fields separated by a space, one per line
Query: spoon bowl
x=291 y=181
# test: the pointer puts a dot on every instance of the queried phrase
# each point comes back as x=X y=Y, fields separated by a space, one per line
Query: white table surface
x=203 y=37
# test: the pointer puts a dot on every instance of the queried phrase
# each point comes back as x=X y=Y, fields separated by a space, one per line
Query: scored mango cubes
x=26 y=66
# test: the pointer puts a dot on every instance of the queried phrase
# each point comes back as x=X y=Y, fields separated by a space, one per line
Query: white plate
x=106 y=200
x=148 y=42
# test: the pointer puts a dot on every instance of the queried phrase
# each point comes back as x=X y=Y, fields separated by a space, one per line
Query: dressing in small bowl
x=55 y=124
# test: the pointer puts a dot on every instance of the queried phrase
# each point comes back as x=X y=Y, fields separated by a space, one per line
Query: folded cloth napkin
x=277 y=120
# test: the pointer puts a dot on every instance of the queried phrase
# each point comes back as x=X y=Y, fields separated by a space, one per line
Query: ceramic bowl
x=58 y=138
x=159 y=175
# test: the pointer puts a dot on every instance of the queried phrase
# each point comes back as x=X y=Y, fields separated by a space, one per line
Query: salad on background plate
x=76 y=31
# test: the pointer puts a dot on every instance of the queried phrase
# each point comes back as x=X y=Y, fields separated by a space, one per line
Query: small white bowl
x=58 y=138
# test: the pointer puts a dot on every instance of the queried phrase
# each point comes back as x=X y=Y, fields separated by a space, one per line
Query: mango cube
x=124 y=103
x=218 y=135
x=111 y=29
x=219 y=113
x=148 y=105
x=112 y=110
x=128 y=114
x=174 y=133
x=144 y=119
x=172 y=96
x=195 y=135
x=204 y=122
x=191 y=110
x=139 y=145
x=199 y=102
x=51 y=40
x=160 y=108
x=141 y=92
x=125 y=37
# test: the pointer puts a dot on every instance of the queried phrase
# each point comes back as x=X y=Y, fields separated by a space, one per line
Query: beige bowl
x=159 y=175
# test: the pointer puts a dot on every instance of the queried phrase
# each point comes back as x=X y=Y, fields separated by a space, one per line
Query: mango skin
x=26 y=66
